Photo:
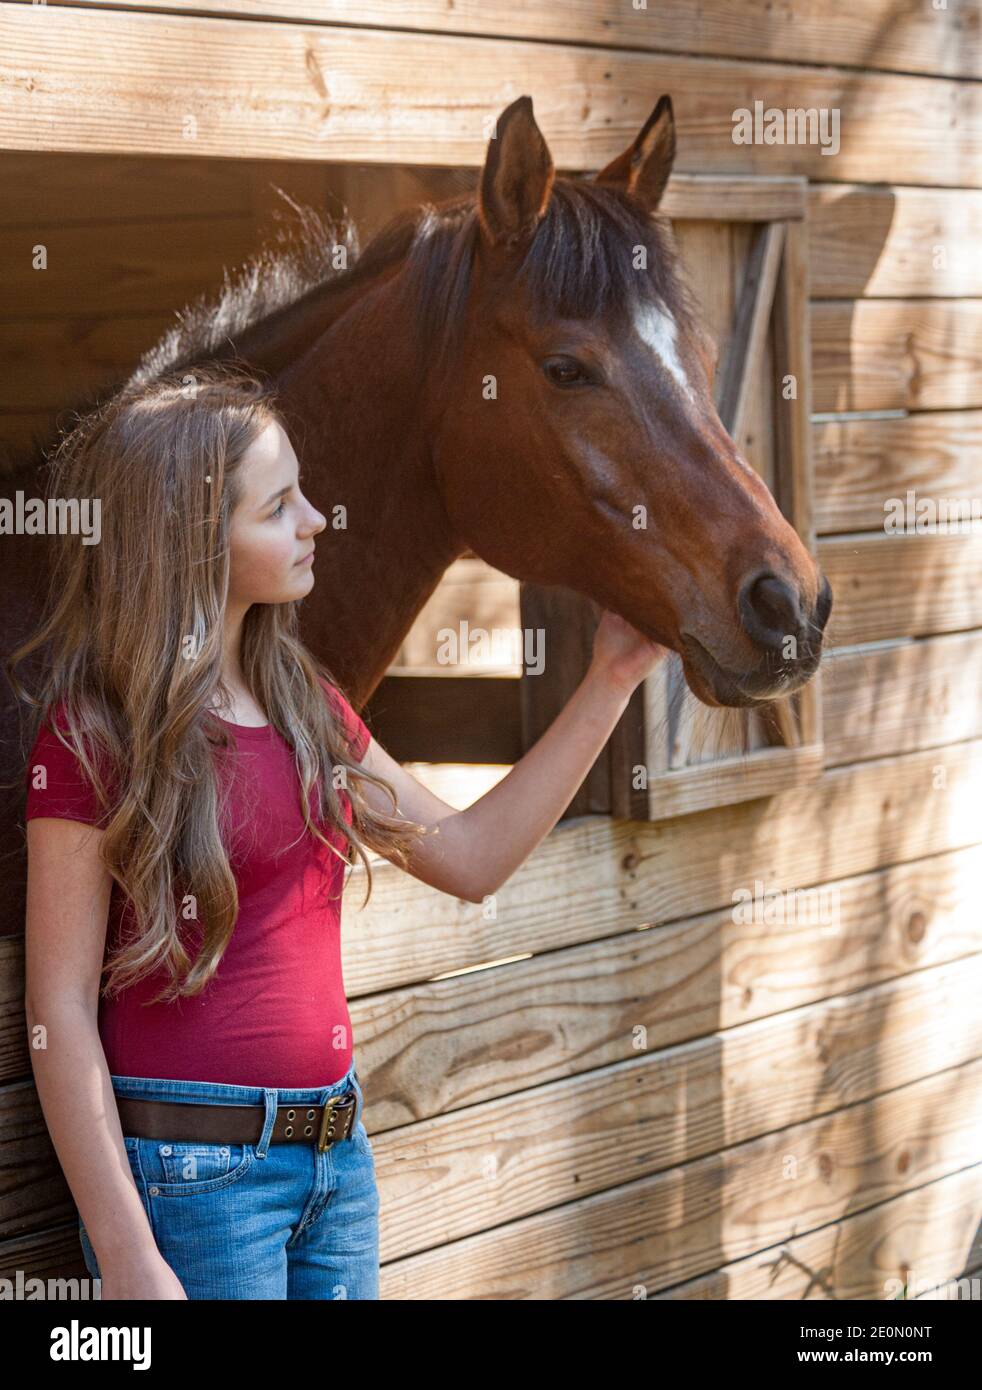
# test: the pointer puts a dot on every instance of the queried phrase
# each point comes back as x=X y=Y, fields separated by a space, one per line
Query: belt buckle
x=327 y=1122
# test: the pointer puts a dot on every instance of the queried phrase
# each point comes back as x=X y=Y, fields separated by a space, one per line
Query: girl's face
x=272 y=527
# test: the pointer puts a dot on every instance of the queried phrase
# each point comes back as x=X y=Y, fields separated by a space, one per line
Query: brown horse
x=520 y=372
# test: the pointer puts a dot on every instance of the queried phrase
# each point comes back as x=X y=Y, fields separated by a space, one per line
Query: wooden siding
x=608 y=982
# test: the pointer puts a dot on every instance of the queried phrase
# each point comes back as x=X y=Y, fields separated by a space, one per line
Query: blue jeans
x=257 y=1220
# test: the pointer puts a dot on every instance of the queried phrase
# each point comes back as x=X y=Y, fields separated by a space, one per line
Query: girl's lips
x=307 y=559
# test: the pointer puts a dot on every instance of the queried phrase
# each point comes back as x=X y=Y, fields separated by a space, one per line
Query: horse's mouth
x=713 y=684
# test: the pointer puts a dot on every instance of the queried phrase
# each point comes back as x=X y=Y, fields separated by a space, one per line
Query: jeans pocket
x=172 y=1168
x=194 y=1162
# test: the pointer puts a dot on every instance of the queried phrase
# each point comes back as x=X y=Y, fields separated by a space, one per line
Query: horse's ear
x=643 y=168
x=516 y=179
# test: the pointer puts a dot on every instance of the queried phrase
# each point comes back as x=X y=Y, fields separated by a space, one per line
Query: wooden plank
x=132 y=268
x=915 y=694
x=902 y=585
x=38 y=1196
x=801 y=720
x=653 y=1231
x=135 y=236
x=732 y=779
x=859 y=465
x=15 y=1059
x=63 y=189
x=761 y=449
x=55 y=1253
x=940 y=42
x=374 y=193
x=92 y=80
x=458 y=784
x=745 y=197
x=894 y=242
x=745 y=348
x=567 y=623
x=78 y=191
x=23 y=436
x=118 y=268
x=896 y=354
x=934 y=1231
x=626 y=751
x=449 y=718
x=792 y=387
x=71 y=357
x=626 y=874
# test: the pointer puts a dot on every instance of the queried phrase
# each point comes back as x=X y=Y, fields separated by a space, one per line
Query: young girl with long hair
x=196 y=785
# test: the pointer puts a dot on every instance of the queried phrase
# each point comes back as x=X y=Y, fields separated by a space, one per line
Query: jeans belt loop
x=270 y=1097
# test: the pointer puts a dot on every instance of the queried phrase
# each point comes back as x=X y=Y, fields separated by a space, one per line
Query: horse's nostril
x=769 y=610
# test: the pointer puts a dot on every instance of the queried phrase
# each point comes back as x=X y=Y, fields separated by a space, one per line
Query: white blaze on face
x=656 y=327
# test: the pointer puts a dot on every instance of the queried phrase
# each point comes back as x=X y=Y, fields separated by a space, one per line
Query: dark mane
x=272 y=281
x=580 y=263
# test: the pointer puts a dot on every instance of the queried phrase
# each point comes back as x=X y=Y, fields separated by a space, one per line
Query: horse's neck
x=353 y=409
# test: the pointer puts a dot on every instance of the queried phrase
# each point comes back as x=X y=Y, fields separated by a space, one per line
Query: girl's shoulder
x=356 y=730
x=56 y=779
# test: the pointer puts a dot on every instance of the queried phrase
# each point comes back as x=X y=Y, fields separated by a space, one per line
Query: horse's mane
x=302 y=262
x=580 y=264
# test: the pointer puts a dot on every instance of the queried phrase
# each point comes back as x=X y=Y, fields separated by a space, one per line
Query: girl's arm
x=476 y=850
x=68 y=891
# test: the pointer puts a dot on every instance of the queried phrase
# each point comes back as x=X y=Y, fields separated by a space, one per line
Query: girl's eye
x=565 y=371
x=279 y=510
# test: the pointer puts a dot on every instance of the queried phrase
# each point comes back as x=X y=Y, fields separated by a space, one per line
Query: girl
x=196 y=785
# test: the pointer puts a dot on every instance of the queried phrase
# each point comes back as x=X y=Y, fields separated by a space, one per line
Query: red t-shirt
x=275 y=1012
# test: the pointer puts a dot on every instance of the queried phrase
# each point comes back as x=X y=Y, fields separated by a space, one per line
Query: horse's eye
x=565 y=371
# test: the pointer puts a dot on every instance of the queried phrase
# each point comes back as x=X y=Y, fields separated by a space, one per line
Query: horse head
x=573 y=427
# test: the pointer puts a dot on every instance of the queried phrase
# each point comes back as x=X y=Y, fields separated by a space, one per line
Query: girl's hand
x=148 y=1276
x=623 y=654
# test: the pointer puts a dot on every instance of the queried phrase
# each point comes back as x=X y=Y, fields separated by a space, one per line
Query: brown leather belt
x=238 y=1124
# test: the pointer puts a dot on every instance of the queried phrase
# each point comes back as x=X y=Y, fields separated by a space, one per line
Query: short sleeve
x=358 y=732
x=57 y=785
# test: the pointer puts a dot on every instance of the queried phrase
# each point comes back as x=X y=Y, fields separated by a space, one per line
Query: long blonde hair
x=122 y=616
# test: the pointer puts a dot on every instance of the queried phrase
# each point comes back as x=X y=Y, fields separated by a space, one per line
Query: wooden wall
x=607 y=1088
